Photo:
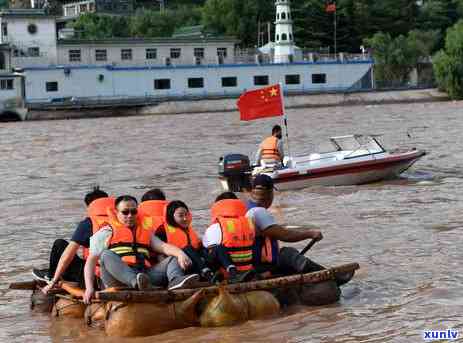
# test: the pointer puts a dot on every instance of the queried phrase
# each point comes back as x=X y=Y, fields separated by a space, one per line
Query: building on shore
x=59 y=68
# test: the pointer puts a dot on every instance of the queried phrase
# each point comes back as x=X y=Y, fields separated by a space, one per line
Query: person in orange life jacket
x=123 y=247
x=230 y=238
x=64 y=262
x=267 y=254
x=153 y=204
x=271 y=148
x=179 y=232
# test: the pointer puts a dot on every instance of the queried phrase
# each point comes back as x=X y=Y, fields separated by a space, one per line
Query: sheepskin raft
x=130 y=313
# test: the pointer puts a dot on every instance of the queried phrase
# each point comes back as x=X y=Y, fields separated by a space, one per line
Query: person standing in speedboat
x=271 y=151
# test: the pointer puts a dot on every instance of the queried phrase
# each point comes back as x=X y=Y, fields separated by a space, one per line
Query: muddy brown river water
x=404 y=233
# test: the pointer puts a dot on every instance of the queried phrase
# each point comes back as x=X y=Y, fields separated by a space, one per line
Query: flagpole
x=285 y=118
x=335 y=38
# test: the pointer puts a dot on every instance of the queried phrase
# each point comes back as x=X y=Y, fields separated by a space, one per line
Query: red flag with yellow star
x=261 y=103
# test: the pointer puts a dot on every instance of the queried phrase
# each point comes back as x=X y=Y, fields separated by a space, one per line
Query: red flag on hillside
x=261 y=103
x=330 y=7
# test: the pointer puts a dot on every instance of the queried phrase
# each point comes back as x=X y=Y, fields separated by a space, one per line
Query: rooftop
x=195 y=31
x=25 y=13
x=159 y=40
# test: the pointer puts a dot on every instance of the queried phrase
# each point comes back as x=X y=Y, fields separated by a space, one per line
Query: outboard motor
x=235 y=172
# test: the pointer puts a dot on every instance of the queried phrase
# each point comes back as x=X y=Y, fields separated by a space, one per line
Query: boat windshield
x=357 y=142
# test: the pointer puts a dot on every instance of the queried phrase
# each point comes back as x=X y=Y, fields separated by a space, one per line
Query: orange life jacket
x=97 y=211
x=238 y=232
x=266 y=249
x=181 y=238
x=133 y=250
x=269 y=149
x=154 y=209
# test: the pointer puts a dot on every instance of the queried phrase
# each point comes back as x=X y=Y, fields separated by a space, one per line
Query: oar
x=310 y=245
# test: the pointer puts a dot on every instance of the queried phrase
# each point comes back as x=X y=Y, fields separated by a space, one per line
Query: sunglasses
x=132 y=211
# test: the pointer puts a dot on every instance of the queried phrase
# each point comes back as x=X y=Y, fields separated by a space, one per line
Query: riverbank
x=229 y=104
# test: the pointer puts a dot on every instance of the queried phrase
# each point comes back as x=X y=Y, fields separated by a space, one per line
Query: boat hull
x=345 y=174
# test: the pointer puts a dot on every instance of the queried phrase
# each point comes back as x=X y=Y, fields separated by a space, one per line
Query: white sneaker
x=143 y=282
x=41 y=274
x=187 y=281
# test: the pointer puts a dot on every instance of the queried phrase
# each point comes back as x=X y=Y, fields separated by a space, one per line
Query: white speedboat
x=356 y=159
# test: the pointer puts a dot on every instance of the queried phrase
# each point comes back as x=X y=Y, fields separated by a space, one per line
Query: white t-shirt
x=260 y=216
x=100 y=241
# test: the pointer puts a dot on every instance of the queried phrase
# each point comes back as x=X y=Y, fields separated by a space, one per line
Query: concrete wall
x=44 y=38
x=225 y=105
x=301 y=101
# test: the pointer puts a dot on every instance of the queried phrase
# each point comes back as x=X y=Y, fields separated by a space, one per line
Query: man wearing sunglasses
x=123 y=248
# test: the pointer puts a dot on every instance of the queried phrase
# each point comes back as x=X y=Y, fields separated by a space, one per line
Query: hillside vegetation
x=399 y=33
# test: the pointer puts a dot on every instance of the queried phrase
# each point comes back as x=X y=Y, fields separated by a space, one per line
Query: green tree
x=236 y=17
x=434 y=14
x=356 y=19
x=448 y=63
x=95 y=26
x=150 y=23
x=396 y=57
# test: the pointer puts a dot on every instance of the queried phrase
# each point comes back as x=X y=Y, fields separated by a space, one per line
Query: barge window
x=5 y=29
x=284 y=36
x=151 y=54
x=6 y=84
x=33 y=51
x=175 y=52
x=70 y=11
x=196 y=82
x=222 y=52
x=198 y=52
x=294 y=79
x=51 y=86
x=101 y=55
x=229 y=81
x=74 y=55
x=126 y=54
x=261 y=80
x=318 y=78
x=162 y=84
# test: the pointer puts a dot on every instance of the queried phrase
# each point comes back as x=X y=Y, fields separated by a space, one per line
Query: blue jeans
x=115 y=272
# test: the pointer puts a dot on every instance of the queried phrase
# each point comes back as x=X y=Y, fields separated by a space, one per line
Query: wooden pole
x=182 y=294
x=25 y=285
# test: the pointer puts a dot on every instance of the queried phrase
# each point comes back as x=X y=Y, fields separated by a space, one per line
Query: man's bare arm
x=285 y=234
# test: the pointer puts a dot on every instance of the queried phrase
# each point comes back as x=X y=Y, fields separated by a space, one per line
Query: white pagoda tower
x=284 y=40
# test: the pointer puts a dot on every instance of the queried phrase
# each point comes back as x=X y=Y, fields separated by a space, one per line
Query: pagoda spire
x=284 y=40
